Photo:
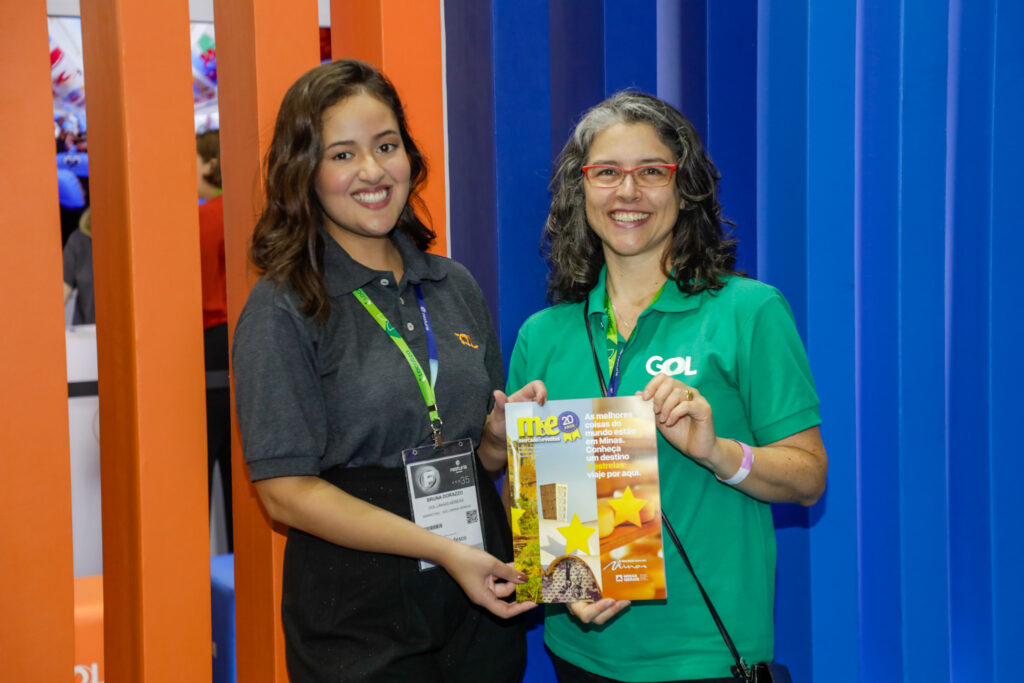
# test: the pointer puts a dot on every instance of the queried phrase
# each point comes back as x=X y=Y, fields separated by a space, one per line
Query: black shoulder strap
x=739 y=670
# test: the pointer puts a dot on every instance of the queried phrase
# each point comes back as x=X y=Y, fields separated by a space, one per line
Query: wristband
x=745 y=465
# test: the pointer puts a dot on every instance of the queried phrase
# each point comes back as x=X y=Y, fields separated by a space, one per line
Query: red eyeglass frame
x=672 y=168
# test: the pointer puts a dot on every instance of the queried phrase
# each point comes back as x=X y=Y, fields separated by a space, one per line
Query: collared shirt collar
x=670 y=301
x=343 y=274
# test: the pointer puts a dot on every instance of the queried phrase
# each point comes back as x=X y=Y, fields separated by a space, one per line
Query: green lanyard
x=417 y=370
x=612 y=344
x=612 y=334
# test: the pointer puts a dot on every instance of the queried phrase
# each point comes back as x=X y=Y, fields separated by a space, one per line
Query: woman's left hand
x=790 y=470
x=683 y=416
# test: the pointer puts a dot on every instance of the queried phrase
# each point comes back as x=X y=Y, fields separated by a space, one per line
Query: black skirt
x=351 y=615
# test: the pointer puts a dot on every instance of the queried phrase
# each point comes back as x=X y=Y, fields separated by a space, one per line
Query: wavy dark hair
x=287 y=246
x=699 y=253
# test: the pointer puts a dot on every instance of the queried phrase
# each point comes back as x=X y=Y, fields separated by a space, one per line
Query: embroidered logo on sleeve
x=465 y=339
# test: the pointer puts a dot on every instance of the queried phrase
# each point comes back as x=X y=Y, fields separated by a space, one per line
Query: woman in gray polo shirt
x=354 y=346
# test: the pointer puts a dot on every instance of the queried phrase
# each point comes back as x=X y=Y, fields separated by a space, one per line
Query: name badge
x=443 y=495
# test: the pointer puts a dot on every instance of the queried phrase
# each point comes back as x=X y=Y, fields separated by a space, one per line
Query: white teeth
x=371 y=197
x=629 y=217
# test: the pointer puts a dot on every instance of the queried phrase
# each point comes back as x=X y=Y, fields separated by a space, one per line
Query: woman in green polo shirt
x=638 y=255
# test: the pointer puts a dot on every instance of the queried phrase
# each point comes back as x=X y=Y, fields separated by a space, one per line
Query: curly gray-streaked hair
x=699 y=254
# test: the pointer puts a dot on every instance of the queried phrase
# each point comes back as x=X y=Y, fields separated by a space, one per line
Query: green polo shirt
x=739 y=347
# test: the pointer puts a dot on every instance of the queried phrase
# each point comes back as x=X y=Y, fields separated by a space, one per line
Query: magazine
x=585 y=503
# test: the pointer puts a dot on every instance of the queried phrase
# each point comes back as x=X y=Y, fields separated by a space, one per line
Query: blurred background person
x=78 y=272
x=215 y=318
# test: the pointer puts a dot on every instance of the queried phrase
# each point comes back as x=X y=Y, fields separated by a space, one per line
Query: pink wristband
x=745 y=465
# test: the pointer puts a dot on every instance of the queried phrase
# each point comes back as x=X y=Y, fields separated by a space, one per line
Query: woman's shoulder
x=553 y=319
x=447 y=267
x=746 y=293
x=453 y=278
x=268 y=296
x=78 y=240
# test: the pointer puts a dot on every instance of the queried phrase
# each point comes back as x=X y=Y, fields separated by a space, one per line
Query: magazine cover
x=586 y=507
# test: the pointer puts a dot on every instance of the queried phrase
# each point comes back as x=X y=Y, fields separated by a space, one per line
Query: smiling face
x=364 y=175
x=632 y=221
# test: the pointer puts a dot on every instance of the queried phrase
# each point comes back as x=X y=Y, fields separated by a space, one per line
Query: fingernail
x=521 y=578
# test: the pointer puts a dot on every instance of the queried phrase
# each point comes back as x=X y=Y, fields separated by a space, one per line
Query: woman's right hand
x=486 y=580
x=597 y=612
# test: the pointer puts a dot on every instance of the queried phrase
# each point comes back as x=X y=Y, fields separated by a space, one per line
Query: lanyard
x=593 y=349
x=431 y=346
x=615 y=354
x=426 y=384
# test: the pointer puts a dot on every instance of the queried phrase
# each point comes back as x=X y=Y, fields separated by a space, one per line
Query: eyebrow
x=642 y=162
x=378 y=136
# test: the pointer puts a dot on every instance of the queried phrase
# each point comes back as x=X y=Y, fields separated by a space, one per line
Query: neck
x=633 y=281
x=376 y=253
x=208 y=190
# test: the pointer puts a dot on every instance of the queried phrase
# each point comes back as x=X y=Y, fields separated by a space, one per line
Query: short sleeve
x=495 y=365
x=492 y=359
x=517 y=369
x=278 y=397
x=776 y=380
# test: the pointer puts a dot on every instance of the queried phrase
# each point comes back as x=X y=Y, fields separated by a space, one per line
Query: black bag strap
x=740 y=670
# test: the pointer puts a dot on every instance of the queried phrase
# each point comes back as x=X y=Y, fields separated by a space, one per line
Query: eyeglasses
x=651 y=175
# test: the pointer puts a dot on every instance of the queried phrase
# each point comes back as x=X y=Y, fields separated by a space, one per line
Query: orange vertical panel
x=263 y=46
x=149 y=339
x=403 y=39
x=36 y=569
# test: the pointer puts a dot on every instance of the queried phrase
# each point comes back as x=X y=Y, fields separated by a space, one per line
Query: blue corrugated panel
x=831 y=333
x=522 y=139
x=631 y=46
x=732 y=118
x=924 y=583
x=471 y=152
x=876 y=218
x=577 y=47
x=968 y=222
x=781 y=113
x=1007 y=330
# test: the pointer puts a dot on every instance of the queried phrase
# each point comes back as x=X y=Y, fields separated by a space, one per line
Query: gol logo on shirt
x=465 y=339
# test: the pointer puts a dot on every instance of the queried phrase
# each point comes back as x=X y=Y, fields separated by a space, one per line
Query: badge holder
x=443 y=494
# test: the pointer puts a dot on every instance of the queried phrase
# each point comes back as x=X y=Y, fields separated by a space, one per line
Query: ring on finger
x=689 y=394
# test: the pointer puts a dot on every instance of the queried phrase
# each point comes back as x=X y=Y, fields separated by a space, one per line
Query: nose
x=628 y=189
x=370 y=169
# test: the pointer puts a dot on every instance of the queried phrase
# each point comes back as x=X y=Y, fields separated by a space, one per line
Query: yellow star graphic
x=516 y=514
x=627 y=508
x=576 y=536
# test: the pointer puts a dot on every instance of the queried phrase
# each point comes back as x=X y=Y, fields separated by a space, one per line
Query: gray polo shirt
x=313 y=397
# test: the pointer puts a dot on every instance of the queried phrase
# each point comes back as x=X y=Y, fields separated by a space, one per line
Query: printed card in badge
x=442 y=492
